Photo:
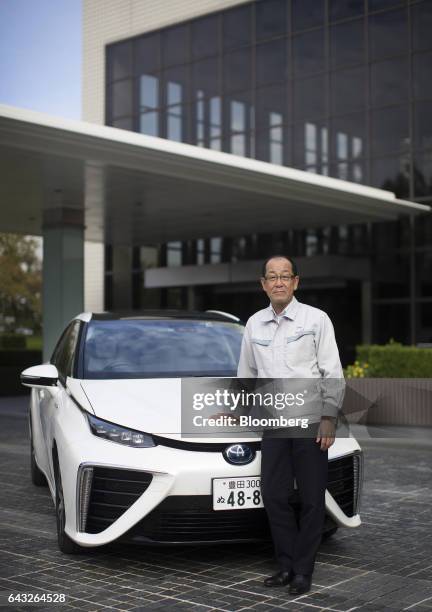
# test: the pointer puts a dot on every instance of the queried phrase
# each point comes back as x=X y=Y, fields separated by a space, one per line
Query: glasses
x=285 y=278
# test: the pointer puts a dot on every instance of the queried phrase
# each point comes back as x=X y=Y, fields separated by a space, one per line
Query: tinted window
x=205 y=36
x=206 y=121
x=348 y=139
x=392 y=321
x=423 y=229
x=119 y=61
x=391 y=235
x=422 y=75
x=308 y=52
x=347 y=90
x=148 y=92
x=270 y=144
x=271 y=62
x=175 y=47
x=270 y=106
x=391 y=173
x=149 y=123
x=310 y=97
x=311 y=146
x=121 y=94
x=349 y=171
x=392 y=275
x=389 y=82
x=307 y=14
x=270 y=18
x=422 y=25
x=388 y=34
x=424 y=276
x=376 y=5
x=237 y=27
x=205 y=77
x=346 y=44
x=175 y=81
x=161 y=348
x=390 y=130
x=423 y=174
x=340 y=9
x=125 y=123
x=147 y=54
x=237 y=69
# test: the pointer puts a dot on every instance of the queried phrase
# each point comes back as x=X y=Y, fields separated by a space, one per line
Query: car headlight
x=121 y=435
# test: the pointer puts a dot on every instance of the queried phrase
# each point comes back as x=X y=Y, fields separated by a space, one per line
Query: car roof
x=159 y=314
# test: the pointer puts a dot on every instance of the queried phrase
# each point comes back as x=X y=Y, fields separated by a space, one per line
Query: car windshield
x=169 y=348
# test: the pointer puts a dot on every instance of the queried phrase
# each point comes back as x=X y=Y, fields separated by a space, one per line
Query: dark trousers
x=283 y=459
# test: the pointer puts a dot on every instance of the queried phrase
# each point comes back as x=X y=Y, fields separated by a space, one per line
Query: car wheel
x=65 y=543
x=37 y=476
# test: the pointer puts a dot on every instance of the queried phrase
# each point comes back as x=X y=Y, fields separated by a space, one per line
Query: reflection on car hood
x=151 y=405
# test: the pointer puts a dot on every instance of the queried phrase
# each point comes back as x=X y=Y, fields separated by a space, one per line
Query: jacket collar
x=289 y=312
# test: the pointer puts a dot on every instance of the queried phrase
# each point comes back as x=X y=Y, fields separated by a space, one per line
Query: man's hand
x=326 y=433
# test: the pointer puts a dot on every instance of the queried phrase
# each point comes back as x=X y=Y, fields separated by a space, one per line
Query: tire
x=37 y=476
x=65 y=544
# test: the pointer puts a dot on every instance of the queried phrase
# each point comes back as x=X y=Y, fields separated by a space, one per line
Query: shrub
x=357 y=370
x=392 y=360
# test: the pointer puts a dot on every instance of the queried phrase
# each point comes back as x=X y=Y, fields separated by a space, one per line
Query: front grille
x=113 y=492
x=341 y=482
x=187 y=518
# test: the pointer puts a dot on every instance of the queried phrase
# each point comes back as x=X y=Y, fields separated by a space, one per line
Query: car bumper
x=175 y=504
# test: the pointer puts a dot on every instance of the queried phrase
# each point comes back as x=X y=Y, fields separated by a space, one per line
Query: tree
x=20 y=281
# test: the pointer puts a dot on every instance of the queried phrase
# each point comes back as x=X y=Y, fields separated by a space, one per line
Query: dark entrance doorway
x=342 y=303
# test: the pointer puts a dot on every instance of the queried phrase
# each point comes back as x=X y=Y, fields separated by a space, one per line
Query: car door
x=53 y=398
x=39 y=413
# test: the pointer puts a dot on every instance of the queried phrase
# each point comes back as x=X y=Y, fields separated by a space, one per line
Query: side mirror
x=45 y=375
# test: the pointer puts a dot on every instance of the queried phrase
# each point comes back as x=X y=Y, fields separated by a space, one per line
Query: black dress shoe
x=282 y=578
x=300 y=584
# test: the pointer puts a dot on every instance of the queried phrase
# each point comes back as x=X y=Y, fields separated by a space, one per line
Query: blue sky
x=40 y=55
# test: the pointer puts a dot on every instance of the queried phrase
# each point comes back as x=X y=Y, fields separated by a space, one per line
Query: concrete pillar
x=366 y=299
x=191 y=298
x=122 y=277
x=94 y=276
x=63 y=272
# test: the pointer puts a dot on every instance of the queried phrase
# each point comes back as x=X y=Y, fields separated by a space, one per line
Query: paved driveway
x=385 y=565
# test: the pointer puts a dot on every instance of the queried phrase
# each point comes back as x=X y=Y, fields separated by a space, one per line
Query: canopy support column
x=63 y=272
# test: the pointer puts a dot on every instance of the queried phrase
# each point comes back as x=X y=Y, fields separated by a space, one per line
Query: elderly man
x=289 y=339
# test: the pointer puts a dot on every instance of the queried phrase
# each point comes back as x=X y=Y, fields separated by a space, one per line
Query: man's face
x=279 y=282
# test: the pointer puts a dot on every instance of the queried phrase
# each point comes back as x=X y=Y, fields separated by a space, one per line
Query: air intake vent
x=113 y=492
x=344 y=479
x=184 y=518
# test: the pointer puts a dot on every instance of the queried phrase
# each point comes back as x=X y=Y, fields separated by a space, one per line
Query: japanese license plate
x=237 y=493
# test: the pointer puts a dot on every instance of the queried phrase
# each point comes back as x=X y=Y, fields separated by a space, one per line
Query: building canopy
x=137 y=189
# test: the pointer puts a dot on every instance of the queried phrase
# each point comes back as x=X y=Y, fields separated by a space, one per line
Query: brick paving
x=384 y=566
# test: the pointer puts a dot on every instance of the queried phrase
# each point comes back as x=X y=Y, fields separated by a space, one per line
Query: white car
x=105 y=431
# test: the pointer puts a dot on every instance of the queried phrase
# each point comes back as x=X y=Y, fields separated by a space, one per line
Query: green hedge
x=394 y=360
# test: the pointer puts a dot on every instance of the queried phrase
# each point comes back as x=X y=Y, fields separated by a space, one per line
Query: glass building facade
x=336 y=87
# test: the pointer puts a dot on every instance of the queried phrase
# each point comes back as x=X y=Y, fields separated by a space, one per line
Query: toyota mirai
x=105 y=435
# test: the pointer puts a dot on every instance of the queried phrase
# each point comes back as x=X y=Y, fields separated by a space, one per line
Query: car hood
x=151 y=405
